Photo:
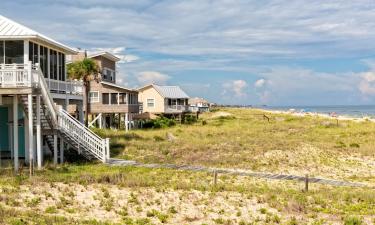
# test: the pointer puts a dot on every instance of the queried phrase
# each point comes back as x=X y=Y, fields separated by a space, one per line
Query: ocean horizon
x=357 y=111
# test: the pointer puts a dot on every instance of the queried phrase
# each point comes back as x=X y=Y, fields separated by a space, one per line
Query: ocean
x=357 y=111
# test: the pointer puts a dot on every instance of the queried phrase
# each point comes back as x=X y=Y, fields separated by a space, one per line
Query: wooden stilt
x=61 y=151
x=38 y=134
x=55 y=149
x=30 y=133
x=15 y=133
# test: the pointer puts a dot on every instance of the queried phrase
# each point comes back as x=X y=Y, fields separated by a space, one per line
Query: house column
x=15 y=132
x=127 y=121
x=100 y=121
x=61 y=151
x=55 y=149
x=80 y=112
x=30 y=128
x=38 y=134
x=25 y=51
x=26 y=125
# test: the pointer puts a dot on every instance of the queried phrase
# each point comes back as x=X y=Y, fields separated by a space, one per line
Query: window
x=13 y=52
x=93 y=96
x=150 y=102
x=33 y=52
x=2 y=52
x=122 y=98
x=113 y=98
x=108 y=74
x=53 y=64
x=44 y=60
x=105 y=98
x=61 y=58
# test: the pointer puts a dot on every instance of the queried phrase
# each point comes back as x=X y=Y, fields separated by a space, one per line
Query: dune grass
x=282 y=199
x=243 y=138
x=93 y=193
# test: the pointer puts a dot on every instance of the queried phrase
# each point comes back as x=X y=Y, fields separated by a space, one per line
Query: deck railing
x=15 y=75
x=176 y=108
x=23 y=75
x=65 y=87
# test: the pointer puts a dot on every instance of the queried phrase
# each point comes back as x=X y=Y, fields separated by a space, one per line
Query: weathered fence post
x=306 y=183
x=215 y=177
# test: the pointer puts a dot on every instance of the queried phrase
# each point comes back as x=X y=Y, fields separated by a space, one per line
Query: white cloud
x=260 y=83
x=236 y=87
x=367 y=83
x=152 y=77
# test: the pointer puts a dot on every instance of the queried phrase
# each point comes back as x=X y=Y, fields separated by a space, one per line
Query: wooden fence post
x=306 y=183
x=215 y=177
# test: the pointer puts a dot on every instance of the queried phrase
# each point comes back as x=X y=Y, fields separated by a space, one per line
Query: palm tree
x=85 y=70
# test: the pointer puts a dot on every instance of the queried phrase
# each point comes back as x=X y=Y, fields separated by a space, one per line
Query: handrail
x=93 y=143
x=70 y=125
x=79 y=124
x=46 y=94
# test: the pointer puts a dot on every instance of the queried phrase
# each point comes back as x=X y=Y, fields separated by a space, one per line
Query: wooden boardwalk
x=238 y=172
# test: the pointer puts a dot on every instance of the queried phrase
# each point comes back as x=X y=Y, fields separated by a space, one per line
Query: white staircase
x=55 y=120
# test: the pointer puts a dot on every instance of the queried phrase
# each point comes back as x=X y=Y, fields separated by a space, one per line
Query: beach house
x=110 y=105
x=170 y=101
x=199 y=105
x=34 y=96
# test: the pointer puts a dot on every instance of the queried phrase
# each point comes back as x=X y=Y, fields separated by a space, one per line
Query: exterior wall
x=105 y=63
x=99 y=107
x=151 y=93
x=6 y=127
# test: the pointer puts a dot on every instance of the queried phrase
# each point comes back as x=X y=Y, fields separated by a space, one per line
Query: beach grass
x=59 y=195
x=244 y=138
x=94 y=193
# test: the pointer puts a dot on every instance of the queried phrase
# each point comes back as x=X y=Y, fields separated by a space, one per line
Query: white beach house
x=34 y=96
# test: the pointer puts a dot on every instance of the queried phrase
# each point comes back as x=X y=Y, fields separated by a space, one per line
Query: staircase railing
x=83 y=136
x=69 y=125
x=47 y=98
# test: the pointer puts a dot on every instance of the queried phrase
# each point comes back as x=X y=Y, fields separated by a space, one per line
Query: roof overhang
x=117 y=86
x=65 y=49
x=107 y=55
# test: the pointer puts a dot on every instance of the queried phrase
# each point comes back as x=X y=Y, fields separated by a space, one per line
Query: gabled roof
x=107 y=55
x=10 y=29
x=116 y=86
x=168 y=91
x=197 y=100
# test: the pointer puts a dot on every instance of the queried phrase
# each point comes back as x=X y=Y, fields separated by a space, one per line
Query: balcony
x=65 y=87
x=26 y=76
x=176 y=108
x=18 y=76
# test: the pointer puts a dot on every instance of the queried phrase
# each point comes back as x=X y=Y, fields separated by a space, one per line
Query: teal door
x=4 y=132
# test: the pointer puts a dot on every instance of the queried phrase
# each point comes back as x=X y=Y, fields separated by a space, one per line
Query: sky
x=268 y=52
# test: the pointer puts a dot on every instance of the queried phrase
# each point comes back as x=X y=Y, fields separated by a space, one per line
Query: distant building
x=165 y=100
x=199 y=105
x=110 y=105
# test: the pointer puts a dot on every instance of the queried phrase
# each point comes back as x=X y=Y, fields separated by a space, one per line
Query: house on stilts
x=110 y=105
x=34 y=97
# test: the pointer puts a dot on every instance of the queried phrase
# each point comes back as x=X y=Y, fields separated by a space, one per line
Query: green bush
x=190 y=119
x=352 y=220
x=161 y=122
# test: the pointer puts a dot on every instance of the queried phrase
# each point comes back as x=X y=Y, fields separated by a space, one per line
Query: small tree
x=85 y=70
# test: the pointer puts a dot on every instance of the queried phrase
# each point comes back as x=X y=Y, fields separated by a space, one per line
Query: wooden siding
x=99 y=107
x=151 y=93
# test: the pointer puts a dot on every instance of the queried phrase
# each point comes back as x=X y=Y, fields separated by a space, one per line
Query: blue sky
x=273 y=52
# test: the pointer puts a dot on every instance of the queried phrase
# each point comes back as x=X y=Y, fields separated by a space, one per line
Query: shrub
x=352 y=220
x=354 y=145
x=189 y=119
x=161 y=122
